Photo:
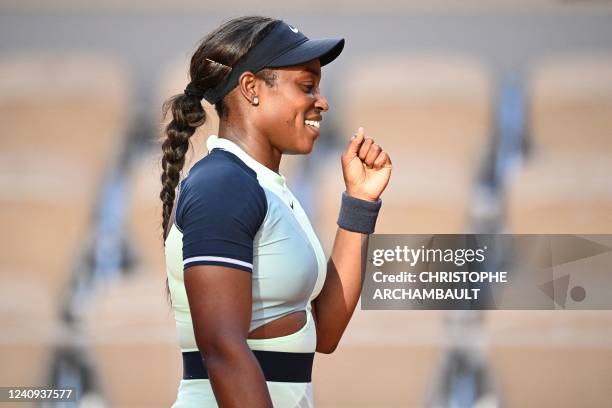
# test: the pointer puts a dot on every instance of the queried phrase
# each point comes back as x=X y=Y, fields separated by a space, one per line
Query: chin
x=307 y=148
x=304 y=148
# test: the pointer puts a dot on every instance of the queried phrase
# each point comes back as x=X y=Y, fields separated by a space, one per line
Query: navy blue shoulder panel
x=219 y=210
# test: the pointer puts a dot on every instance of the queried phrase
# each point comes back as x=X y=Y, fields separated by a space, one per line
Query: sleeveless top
x=234 y=211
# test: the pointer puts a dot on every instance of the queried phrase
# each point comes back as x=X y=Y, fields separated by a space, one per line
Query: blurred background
x=498 y=118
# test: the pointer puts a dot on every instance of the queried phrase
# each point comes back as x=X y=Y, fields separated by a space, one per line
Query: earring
x=255 y=101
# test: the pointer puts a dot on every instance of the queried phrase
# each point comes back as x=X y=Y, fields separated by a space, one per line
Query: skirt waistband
x=276 y=366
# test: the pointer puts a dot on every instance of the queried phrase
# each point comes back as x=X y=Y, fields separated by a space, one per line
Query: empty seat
x=563 y=185
x=63 y=118
x=571 y=104
x=432 y=106
x=131 y=335
x=561 y=193
x=385 y=359
x=130 y=326
x=552 y=358
x=29 y=330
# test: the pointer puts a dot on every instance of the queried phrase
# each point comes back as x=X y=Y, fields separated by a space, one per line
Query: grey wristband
x=358 y=215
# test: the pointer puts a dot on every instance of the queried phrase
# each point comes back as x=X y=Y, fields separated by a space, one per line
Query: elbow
x=326 y=347
x=327 y=340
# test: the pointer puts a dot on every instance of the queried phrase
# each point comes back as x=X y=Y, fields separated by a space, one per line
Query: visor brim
x=325 y=50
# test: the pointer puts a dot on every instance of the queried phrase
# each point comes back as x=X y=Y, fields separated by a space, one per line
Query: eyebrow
x=315 y=72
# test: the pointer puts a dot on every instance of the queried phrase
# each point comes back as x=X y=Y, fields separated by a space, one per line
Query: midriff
x=282 y=326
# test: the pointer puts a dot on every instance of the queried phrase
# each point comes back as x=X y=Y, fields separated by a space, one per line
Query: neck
x=255 y=144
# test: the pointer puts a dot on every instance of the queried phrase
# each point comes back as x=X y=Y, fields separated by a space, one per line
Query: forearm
x=236 y=378
x=366 y=170
x=337 y=301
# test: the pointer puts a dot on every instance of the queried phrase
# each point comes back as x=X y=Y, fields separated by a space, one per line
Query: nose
x=321 y=103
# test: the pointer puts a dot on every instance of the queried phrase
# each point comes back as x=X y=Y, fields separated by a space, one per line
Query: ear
x=248 y=85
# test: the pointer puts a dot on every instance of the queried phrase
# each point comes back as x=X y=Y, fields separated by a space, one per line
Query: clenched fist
x=366 y=167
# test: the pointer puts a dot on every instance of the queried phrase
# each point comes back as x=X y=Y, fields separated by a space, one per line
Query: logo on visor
x=295 y=30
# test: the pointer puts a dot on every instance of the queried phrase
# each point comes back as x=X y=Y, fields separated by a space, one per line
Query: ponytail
x=187 y=114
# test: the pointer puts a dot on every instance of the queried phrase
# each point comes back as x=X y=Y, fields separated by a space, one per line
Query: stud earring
x=255 y=101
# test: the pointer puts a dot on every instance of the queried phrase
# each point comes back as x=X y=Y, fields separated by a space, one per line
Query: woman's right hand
x=366 y=167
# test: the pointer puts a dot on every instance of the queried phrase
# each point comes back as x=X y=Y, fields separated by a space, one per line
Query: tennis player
x=253 y=295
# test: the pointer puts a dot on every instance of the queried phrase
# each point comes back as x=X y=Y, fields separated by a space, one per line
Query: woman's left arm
x=366 y=169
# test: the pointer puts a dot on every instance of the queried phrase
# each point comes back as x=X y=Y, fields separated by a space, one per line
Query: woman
x=253 y=295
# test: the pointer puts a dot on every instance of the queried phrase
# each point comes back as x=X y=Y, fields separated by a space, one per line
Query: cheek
x=285 y=114
x=280 y=117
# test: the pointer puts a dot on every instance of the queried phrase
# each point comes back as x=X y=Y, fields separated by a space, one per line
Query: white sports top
x=234 y=211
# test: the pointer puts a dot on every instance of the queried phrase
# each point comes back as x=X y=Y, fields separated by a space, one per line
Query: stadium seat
x=385 y=359
x=560 y=358
x=563 y=185
x=571 y=104
x=63 y=118
x=131 y=334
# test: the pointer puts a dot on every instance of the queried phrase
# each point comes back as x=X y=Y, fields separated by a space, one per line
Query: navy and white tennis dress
x=234 y=211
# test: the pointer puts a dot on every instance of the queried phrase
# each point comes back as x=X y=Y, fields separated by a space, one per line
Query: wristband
x=358 y=215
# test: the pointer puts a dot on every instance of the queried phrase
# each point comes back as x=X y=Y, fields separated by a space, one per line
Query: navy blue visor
x=284 y=46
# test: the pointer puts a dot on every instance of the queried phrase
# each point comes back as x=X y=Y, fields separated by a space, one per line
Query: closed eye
x=308 y=88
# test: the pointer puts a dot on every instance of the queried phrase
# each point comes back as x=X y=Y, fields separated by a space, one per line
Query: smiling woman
x=252 y=292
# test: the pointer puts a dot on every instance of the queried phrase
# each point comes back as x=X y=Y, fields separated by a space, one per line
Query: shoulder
x=221 y=182
x=218 y=169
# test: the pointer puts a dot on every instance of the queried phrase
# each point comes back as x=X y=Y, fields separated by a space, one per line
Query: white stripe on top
x=217 y=259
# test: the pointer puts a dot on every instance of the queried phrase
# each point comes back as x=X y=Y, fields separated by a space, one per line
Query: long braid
x=187 y=115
